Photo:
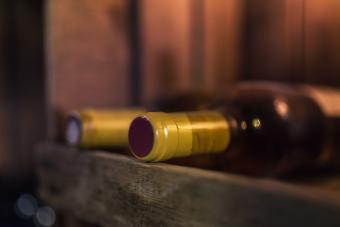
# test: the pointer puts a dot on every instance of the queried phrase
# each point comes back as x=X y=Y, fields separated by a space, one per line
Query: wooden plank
x=88 y=55
x=165 y=29
x=113 y=190
x=274 y=40
x=322 y=41
x=67 y=220
x=223 y=20
x=4 y=72
x=22 y=100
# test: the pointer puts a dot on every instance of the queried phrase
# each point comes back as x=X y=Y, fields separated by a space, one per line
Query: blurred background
x=57 y=55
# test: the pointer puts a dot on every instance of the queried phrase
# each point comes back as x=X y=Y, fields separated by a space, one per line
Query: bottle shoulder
x=277 y=99
x=273 y=125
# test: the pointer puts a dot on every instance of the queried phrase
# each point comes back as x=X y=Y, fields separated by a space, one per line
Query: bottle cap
x=91 y=128
x=158 y=136
x=73 y=129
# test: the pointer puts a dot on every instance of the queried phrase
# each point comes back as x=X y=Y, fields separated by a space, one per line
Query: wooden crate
x=109 y=189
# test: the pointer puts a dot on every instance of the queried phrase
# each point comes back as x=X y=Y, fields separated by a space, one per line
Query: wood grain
x=165 y=27
x=88 y=55
x=113 y=190
x=322 y=42
x=274 y=40
x=22 y=103
x=223 y=20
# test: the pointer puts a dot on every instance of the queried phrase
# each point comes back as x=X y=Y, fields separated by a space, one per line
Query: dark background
x=57 y=55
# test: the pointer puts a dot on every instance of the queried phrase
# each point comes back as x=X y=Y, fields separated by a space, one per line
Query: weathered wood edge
x=115 y=190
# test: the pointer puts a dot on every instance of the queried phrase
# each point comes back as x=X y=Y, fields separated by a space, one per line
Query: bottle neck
x=158 y=136
x=99 y=128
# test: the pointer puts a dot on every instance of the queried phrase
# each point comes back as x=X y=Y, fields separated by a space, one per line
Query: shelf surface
x=109 y=189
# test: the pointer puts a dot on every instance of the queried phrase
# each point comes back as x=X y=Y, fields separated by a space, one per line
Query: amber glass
x=274 y=129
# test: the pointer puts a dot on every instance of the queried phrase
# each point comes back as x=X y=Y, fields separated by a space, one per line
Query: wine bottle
x=108 y=128
x=262 y=128
x=94 y=128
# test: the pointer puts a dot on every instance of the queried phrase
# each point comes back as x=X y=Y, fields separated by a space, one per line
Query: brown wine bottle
x=262 y=129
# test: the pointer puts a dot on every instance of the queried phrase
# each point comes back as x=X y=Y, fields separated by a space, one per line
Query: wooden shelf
x=109 y=189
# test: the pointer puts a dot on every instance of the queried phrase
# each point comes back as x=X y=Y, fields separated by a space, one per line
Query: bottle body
x=270 y=129
x=277 y=129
